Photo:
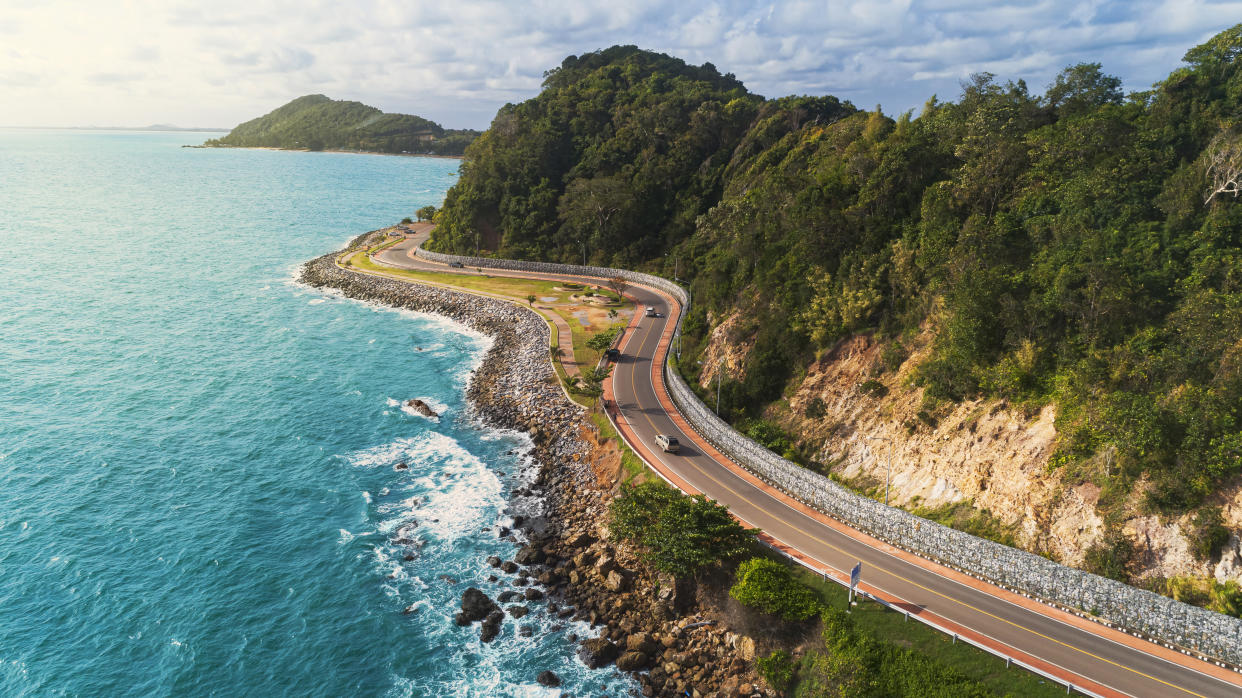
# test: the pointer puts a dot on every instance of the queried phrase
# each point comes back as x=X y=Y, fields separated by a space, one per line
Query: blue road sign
x=855 y=574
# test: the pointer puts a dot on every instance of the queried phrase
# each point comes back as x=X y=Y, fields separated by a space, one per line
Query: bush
x=1207 y=534
x=777 y=669
x=767 y=585
x=768 y=435
x=681 y=535
x=893 y=355
x=816 y=409
x=873 y=388
x=1110 y=557
x=407 y=220
x=1216 y=596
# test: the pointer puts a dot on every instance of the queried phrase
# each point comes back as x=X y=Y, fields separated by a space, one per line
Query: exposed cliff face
x=984 y=453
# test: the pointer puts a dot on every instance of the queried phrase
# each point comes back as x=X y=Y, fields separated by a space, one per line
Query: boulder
x=633 y=661
x=605 y=564
x=518 y=611
x=508 y=567
x=476 y=605
x=597 y=652
x=508 y=595
x=641 y=642
x=678 y=594
x=616 y=581
x=491 y=627
x=493 y=561
x=529 y=555
x=533 y=594
x=579 y=540
x=549 y=679
x=421 y=407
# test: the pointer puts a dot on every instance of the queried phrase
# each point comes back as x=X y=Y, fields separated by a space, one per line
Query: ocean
x=198 y=455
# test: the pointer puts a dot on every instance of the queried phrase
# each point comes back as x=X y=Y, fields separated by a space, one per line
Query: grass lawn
x=892 y=626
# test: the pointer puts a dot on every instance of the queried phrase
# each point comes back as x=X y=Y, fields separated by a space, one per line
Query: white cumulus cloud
x=135 y=62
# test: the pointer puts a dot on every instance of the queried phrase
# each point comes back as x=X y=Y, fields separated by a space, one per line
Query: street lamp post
x=888 y=478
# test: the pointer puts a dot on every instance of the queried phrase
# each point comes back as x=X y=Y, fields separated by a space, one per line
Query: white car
x=668 y=444
x=651 y=312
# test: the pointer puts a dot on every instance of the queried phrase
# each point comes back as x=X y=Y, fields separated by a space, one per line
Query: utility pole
x=719 y=374
x=888 y=479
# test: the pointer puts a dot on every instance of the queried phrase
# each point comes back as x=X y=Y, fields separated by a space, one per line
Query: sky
x=218 y=63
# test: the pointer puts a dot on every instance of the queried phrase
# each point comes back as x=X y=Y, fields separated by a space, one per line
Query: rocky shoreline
x=651 y=626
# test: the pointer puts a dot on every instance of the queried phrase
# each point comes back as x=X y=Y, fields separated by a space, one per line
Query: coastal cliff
x=647 y=625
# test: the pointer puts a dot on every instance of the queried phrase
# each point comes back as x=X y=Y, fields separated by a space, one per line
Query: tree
x=530 y=300
x=618 y=286
x=679 y=535
x=426 y=213
x=602 y=340
x=1081 y=88
x=1224 y=165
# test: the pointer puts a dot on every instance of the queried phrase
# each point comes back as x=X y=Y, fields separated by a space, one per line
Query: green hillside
x=1065 y=247
x=315 y=122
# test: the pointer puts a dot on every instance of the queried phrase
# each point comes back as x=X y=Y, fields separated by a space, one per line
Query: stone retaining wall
x=1133 y=609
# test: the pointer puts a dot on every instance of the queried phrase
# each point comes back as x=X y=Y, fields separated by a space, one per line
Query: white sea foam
x=452 y=491
x=317 y=301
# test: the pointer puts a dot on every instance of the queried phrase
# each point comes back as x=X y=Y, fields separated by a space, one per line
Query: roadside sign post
x=855 y=575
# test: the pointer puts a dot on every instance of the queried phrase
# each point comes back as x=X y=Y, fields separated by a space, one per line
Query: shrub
x=768 y=435
x=768 y=586
x=407 y=220
x=681 y=535
x=873 y=388
x=1207 y=534
x=893 y=355
x=1110 y=557
x=816 y=409
x=777 y=669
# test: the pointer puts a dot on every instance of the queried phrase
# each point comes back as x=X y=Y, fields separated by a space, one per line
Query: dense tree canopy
x=1058 y=246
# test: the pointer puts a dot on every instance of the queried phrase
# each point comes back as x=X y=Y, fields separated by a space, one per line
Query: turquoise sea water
x=196 y=453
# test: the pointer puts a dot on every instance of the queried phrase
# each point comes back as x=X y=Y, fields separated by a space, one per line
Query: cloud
x=181 y=61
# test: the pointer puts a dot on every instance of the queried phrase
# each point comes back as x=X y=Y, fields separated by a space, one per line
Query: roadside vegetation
x=869 y=651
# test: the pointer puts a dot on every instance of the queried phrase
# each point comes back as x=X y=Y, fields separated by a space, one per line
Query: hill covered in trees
x=1080 y=247
x=315 y=122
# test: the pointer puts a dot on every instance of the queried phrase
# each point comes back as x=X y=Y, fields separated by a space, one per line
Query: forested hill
x=315 y=122
x=1079 y=247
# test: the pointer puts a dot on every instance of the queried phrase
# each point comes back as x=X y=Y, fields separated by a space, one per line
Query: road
x=1093 y=657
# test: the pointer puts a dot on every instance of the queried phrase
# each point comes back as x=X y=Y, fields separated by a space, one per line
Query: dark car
x=456 y=265
x=612 y=354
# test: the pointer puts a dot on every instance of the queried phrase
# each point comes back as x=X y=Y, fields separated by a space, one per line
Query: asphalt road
x=1129 y=667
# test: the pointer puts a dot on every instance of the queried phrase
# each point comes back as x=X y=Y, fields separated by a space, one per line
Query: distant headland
x=315 y=122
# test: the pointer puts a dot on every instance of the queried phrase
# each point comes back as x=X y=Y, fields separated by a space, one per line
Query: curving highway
x=1093 y=658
